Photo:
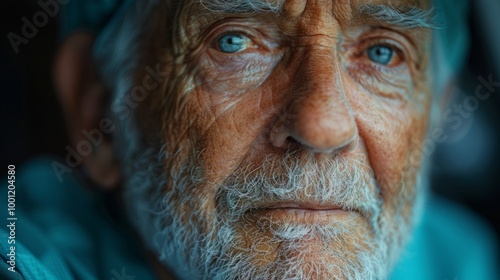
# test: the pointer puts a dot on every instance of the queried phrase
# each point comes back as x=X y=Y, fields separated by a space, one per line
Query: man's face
x=291 y=140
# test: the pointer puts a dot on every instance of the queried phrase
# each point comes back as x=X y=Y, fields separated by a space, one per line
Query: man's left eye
x=381 y=54
x=231 y=43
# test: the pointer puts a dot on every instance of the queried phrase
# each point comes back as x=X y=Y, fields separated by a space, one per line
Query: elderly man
x=252 y=139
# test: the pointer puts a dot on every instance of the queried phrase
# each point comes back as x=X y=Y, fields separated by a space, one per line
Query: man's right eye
x=231 y=43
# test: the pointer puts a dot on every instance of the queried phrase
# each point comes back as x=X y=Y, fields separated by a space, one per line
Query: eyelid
x=216 y=34
x=403 y=45
x=234 y=31
x=400 y=56
x=366 y=44
x=263 y=37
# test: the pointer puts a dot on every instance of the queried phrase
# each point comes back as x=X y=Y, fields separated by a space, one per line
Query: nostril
x=349 y=146
x=292 y=143
x=290 y=139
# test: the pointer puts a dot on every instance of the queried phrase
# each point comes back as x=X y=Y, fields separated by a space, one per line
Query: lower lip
x=303 y=215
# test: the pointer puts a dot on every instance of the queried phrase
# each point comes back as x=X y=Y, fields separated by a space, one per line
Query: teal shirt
x=449 y=243
x=64 y=231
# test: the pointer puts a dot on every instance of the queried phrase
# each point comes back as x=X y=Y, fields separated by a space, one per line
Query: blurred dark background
x=466 y=168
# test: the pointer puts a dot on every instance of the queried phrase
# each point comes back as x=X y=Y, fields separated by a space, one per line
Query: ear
x=83 y=99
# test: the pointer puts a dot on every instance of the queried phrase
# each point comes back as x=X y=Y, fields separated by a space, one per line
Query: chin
x=342 y=249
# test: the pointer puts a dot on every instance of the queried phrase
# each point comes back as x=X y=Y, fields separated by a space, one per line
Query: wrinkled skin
x=303 y=84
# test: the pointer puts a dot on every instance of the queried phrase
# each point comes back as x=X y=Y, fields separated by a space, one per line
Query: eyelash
x=234 y=31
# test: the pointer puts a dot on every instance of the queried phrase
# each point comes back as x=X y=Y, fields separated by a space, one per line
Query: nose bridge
x=319 y=115
x=318 y=75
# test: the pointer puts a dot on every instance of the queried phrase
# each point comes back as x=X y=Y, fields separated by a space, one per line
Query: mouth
x=303 y=213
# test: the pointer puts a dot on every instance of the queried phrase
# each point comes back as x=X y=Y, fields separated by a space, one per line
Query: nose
x=318 y=115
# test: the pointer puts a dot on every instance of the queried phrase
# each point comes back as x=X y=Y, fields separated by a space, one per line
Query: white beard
x=196 y=243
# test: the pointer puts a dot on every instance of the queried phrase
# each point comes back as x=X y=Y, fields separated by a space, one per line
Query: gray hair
x=116 y=58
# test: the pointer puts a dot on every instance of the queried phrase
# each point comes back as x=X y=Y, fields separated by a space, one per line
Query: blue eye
x=380 y=54
x=231 y=43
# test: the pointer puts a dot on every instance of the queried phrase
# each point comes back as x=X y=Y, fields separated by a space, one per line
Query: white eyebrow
x=401 y=17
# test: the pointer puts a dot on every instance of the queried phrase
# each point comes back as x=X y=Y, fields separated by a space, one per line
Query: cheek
x=391 y=134
x=233 y=129
x=226 y=130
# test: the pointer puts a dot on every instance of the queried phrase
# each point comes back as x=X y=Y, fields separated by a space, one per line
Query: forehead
x=198 y=14
x=295 y=6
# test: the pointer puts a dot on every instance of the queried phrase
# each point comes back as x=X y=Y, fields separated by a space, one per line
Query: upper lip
x=314 y=206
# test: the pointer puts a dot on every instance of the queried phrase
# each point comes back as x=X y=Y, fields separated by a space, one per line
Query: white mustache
x=328 y=182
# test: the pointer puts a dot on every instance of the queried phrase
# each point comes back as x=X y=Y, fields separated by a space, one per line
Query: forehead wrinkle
x=313 y=18
x=296 y=8
x=241 y=6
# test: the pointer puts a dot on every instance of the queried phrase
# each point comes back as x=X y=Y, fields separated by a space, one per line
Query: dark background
x=466 y=168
